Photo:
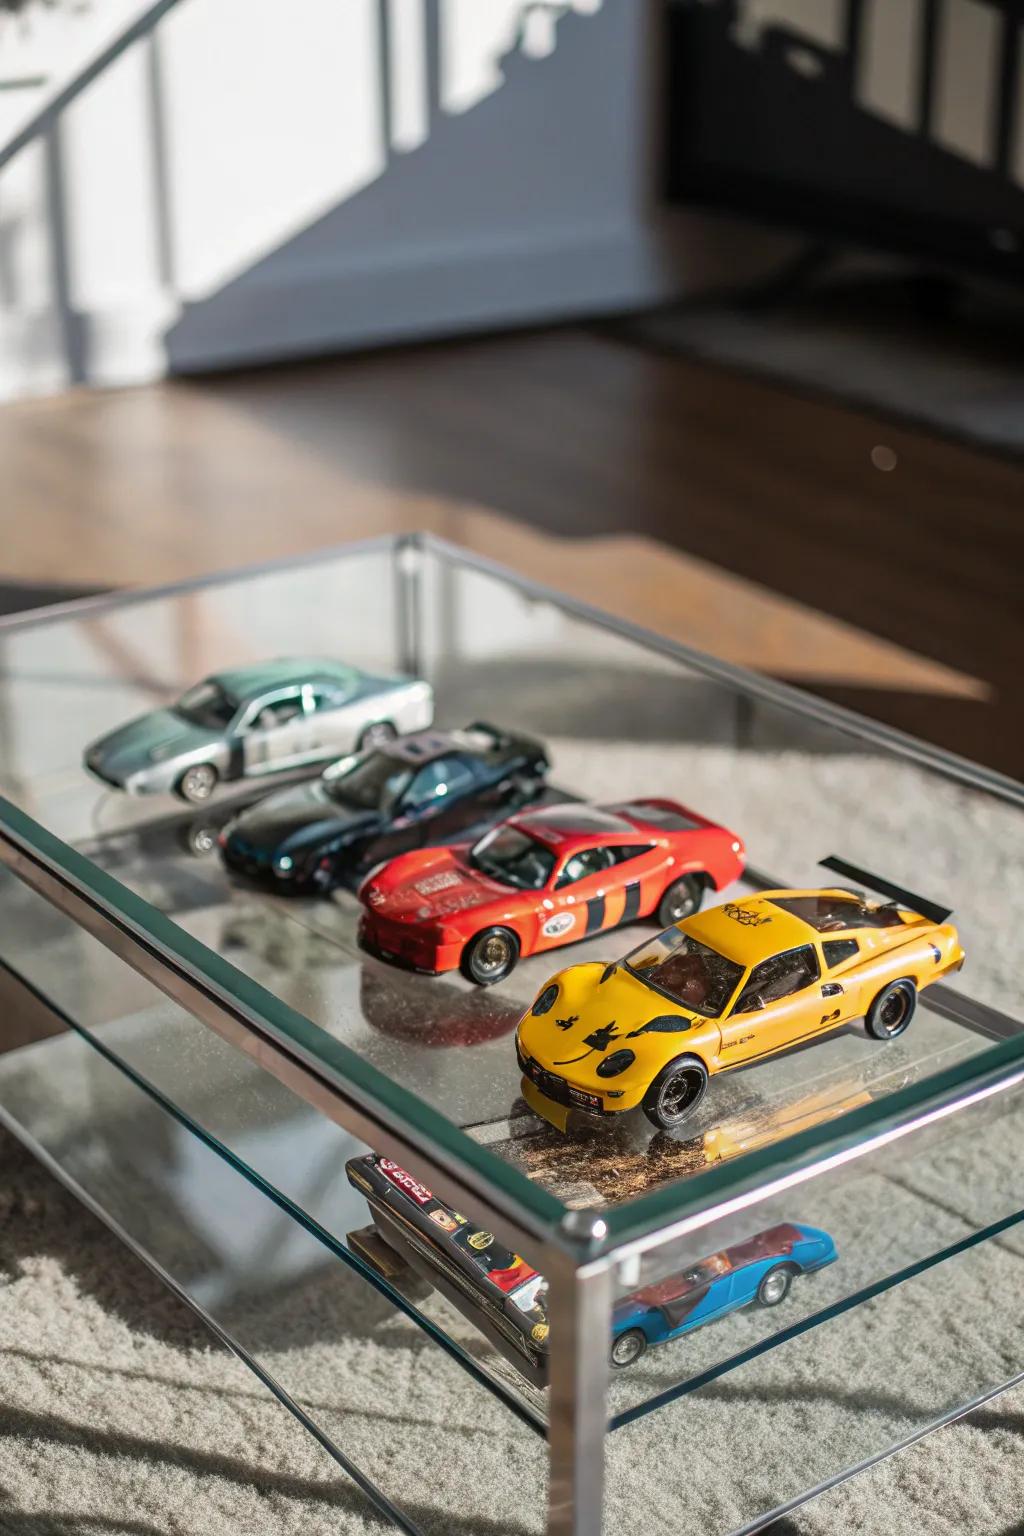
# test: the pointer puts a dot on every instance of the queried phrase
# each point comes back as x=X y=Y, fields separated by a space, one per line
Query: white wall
x=254 y=180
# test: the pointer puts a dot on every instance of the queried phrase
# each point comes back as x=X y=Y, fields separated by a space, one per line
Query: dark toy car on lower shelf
x=507 y=1299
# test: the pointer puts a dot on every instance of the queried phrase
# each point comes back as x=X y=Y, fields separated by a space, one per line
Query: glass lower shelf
x=866 y=1371
x=888 y=1216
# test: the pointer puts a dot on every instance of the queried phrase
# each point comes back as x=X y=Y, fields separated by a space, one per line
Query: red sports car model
x=541 y=879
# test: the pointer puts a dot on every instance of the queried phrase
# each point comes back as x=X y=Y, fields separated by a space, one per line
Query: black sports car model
x=432 y=787
x=496 y=1289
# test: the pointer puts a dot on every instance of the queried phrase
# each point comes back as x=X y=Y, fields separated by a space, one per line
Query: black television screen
x=894 y=123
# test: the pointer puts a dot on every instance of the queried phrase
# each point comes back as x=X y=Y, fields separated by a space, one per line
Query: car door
x=779 y=1004
x=319 y=713
x=453 y=809
x=575 y=904
x=341 y=714
x=273 y=732
x=841 y=987
x=424 y=811
x=642 y=872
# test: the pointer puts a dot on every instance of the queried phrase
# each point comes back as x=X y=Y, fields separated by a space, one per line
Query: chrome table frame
x=581 y=1264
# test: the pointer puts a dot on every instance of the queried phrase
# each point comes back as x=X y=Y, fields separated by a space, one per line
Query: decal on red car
x=405 y=1182
x=442 y=882
x=559 y=924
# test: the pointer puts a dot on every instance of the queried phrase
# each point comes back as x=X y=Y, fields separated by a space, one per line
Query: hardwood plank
x=789 y=549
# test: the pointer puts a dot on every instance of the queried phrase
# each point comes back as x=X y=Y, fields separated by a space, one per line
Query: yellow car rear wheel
x=892 y=1010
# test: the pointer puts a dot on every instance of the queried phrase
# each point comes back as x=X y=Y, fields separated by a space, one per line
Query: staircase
x=146 y=166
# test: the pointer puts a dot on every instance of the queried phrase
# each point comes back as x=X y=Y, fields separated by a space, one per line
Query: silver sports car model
x=263 y=719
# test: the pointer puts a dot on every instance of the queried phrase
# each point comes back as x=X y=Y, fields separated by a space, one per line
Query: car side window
x=274 y=713
x=838 y=950
x=628 y=851
x=589 y=861
x=778 y=977
x=444 y=778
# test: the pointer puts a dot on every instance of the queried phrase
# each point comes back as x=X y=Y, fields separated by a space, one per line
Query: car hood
x=298 y=818
x=437 y=887
x=604 y=1008
x=131 y=746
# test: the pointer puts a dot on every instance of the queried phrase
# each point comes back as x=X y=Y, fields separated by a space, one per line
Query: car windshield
x=208 y=705
x=513 y=858
x=686 y=971
x=372 y=783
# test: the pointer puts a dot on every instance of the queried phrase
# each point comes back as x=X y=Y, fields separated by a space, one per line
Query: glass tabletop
x=622 y=715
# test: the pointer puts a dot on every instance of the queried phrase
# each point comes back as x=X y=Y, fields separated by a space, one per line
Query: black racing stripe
x=632 y=906
x=595 y=914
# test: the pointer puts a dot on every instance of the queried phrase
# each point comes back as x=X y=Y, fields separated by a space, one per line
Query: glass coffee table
x=207 y=1055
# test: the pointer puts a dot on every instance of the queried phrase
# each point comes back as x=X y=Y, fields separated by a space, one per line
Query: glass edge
x=730 y=674
x=340 y=1066
x=130 y=597
x=648 y=1213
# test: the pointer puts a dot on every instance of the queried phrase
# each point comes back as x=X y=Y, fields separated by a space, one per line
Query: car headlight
x=284 y=865
x=546 y=1001
x=617 y=1062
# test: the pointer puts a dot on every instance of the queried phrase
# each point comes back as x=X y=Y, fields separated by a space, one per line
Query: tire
x=376 y=735
x=627 y=1348
x=775 y=1285
x=197 y=783
x=200 y=838
x=892 y=1010
x=675 y=1092
x=680 y=899
x=490 y=956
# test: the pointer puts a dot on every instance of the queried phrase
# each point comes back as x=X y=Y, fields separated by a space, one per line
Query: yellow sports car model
x=724 y=988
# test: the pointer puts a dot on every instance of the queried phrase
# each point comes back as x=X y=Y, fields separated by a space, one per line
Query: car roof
x=750 y=929
x=575 y=822
x=426 y=746
x=244 y=682
x=754 y=928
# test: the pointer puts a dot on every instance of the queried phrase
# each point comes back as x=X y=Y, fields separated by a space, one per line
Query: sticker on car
x=441 y=882
x=560 y=923
x=405 y=1182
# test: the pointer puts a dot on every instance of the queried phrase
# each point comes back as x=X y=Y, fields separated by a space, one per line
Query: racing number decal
x=556 y=925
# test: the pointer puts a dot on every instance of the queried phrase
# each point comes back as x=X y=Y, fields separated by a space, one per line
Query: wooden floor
x=714 y=507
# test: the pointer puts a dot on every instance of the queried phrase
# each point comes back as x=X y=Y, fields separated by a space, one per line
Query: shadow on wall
x=522 y=205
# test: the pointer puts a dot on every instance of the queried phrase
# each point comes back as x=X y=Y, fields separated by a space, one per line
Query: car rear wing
x=484 y=728
x=508 y=740
x=929 y=909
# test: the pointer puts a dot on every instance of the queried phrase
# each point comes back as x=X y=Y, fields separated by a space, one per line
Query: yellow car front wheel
x=676 y=1092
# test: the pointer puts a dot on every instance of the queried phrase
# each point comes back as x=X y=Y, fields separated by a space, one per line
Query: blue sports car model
x=762 y=1269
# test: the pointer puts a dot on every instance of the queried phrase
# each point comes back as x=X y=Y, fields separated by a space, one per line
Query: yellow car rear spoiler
x=929 y=909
